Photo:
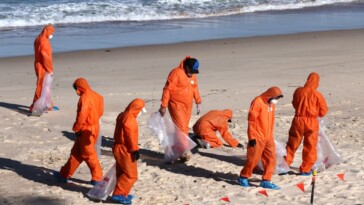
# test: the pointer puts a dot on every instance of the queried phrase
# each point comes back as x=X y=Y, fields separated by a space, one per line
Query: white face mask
x=274 y=101
x=51 y=36
x=142 y=111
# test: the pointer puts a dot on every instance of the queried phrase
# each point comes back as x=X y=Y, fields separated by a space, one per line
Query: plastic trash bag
x=103 y=189
x=281 y=152
x=45 y=100
x=281 y=165
x=98 y=143
x=327 y=155
x=174 y=142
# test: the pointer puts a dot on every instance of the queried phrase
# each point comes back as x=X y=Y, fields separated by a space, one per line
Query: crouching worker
x=89 y=111
x=205 y=128
x=261 y=142
x=126 y=151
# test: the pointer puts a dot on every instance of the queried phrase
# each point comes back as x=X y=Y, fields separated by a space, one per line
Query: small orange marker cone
x=301 y=186
x=225 y=199
x=263 y=192
x=341 y=176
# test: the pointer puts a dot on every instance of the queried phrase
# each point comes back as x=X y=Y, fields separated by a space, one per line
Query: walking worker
x=261 y=141
x=89 y=111
x=309 y=104
x=178 y=94
x=43 y=60
x=215 y=120
x=126 y=150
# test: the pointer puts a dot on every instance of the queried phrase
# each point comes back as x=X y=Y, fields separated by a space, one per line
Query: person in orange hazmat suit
x=43 y=60
x=309 y=104
x=89 y=111
x=215 y=120
x=261 y=141
x=178 y=94
x=126 y=150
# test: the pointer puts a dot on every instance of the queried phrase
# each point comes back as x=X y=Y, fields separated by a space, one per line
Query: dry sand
x=232 y=73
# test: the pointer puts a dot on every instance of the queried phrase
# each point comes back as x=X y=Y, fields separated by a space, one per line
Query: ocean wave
x=35 y=13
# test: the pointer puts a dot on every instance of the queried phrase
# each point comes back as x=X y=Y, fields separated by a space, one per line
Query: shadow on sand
x=41 y=175
x=22 y=109
x=32 y=200
x=236 y=160
x=106 y=141
x=155 y=159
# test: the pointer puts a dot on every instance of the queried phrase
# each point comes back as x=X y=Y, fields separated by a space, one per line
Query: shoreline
x=79 y=37
x=208 y=41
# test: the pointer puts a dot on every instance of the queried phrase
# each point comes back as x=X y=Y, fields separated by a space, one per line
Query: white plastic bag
x=103 y=189
x=327 y=155
x=281 y=164
x=98 y=143
x=281 y=152
x=174 y=142
x=45 y=100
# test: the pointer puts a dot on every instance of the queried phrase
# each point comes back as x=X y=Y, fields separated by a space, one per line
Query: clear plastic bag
x=174 y=142
x=327 y=155
x=281 y=164
x=45 y=100
x=98 y=143
x=103 y=189
x=281 y=152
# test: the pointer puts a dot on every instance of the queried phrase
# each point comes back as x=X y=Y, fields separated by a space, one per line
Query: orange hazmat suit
x=178 y=94
x=126 y=142
x=89 y=111
x=309 y=104
x=213 y=121
x=43 y=60
x=260 y=128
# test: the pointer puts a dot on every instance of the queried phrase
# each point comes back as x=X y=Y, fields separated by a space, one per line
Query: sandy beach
x=232 y=73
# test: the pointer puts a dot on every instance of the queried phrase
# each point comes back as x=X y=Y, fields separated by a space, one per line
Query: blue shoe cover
x=306 y=173
x=94 y=182
x=122 y=199
x=58 y=176
x=243 y=182
x=55 y=108
x=268 y=185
